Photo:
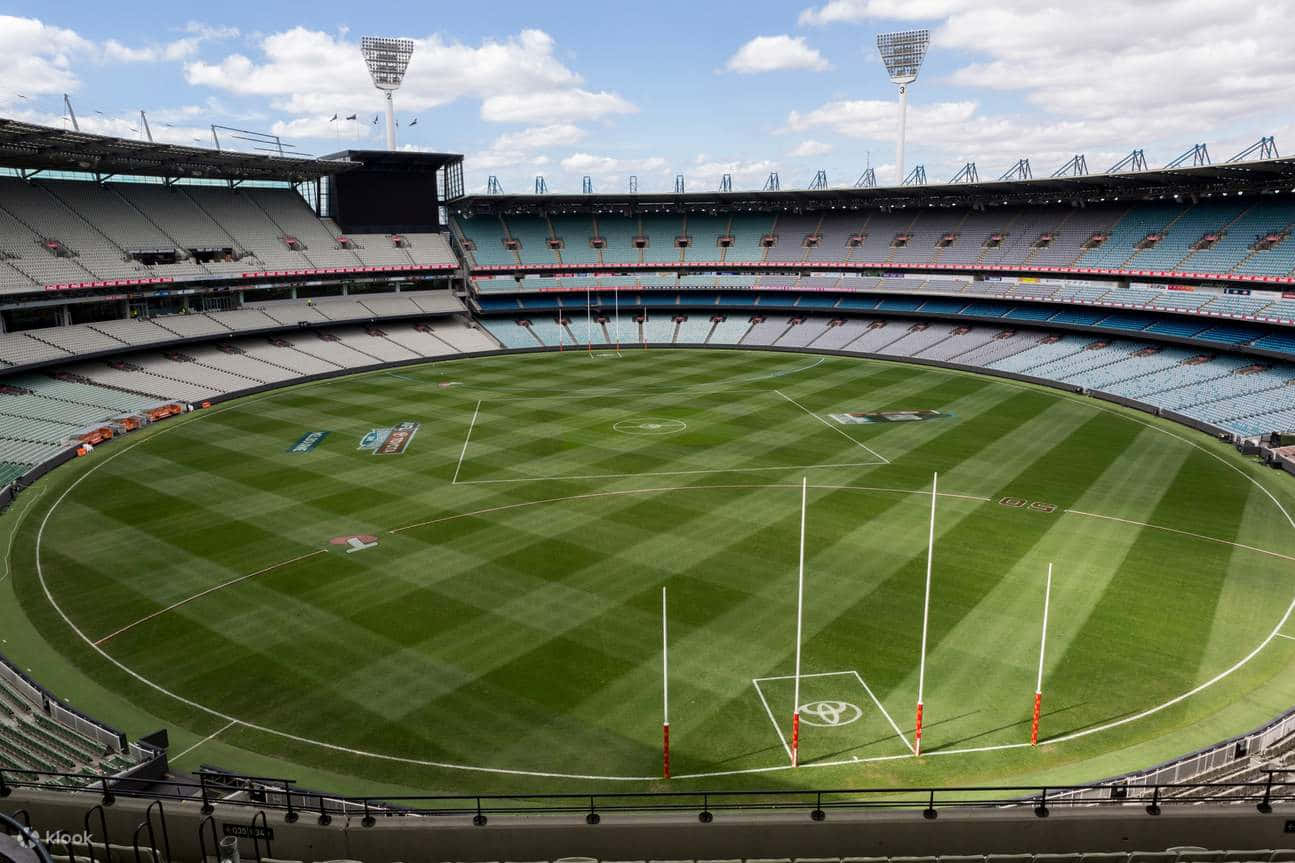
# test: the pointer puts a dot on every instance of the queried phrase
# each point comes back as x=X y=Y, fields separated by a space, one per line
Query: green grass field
x=508 y=619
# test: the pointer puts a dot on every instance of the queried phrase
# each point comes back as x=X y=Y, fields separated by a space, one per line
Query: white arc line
x=173 y=606
x=207 y=739
x=466 y=438
x=832 y=427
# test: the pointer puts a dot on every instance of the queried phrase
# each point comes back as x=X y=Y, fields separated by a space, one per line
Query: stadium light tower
x=387 y=60
x=903 y=54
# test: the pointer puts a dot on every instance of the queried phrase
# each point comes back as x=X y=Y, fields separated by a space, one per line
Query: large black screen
x=385 y=202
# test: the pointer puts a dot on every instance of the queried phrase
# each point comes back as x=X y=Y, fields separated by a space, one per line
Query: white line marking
x=466 y=438
x=207 y=739
x=1284 y=635
x=759 y=692
x=667 y=473
x=201 y=594
x=886 y=713
x=1181 y=533
x=839 y=431
x=13 y=533
x=596 y=494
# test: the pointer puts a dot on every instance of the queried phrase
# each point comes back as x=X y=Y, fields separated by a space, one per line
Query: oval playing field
x=477 y=594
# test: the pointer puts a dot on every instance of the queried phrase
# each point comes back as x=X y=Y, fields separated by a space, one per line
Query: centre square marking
x=649 y=426
x=719 y=458
x=838 y=709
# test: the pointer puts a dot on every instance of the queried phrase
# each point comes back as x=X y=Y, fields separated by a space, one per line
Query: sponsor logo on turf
x=399 y=439
x=830 y=714
x=861 y=418
x=1036 y=505
x=373 y=437
x=308 y=442
x=355 y=542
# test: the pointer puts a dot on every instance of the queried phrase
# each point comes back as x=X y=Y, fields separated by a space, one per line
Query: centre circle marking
x=830 y=714
x=649 y=426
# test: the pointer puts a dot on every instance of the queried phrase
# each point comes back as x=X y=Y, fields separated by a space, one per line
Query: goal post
x=926 y=616
x=1043 y=643
x=800 y=614
x=665 y=690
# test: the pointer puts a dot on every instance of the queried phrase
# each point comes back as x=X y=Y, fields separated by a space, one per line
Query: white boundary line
x=841 y=432
x=1284 y=635
x=466 y=438
x=13 y=534
x=173 y=606
x=207 y=739
x=40 y=575
x=756 y=682
x=1181 y=533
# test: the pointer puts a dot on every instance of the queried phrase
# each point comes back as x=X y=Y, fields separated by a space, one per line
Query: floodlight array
x=387 y=60
x=903 y=53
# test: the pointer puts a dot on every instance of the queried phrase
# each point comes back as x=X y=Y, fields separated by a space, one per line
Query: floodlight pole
x=903 y=54
x=387 y=59
x=903 y=126
x=391 y=121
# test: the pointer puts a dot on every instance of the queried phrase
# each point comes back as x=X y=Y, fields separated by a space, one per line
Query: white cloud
x=706 y=172
x=521 y=149
x=180 y=49
x=775 y=53
x=36 y=58
x=587 y=163
x=518 y=79
x=572 y=104
x=810 y=147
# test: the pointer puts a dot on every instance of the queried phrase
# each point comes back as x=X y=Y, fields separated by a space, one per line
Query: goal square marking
x=841 y=721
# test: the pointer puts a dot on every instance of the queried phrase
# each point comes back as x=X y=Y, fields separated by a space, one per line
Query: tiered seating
x=510 y=333
x=430 y=249
x=49 y=218
x=575 y=233
x=747 y=230
x=661 y=232
x=1186 y=231
x=618 y=232
x=290 y=216
x=533 y=235
x=695 y=329
x=767 y=331
x=245 y=221
x=731 y=329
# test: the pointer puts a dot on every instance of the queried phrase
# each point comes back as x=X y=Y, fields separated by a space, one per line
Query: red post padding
x=1034 y=726
x=665 y=752
x=917 y=738
x=795 y=739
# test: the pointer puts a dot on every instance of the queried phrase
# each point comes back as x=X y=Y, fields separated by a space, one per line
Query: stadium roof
x=1269 y=175
x=30 y=147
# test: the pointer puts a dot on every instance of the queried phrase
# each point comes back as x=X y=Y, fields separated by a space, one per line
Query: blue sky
x=655 y=89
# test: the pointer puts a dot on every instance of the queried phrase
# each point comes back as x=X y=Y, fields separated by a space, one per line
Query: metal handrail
x=280 y=796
